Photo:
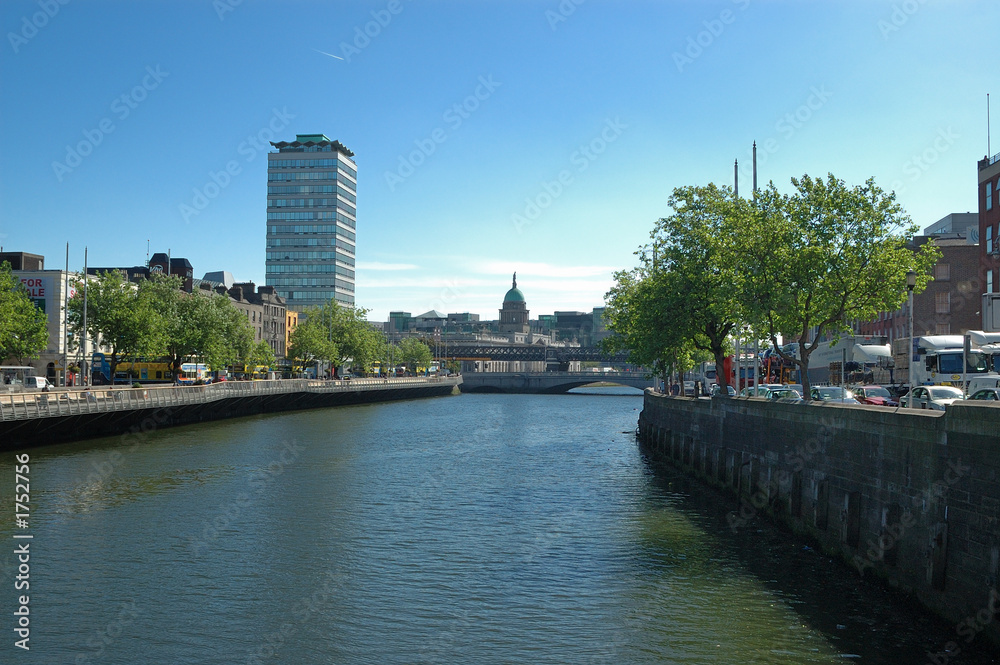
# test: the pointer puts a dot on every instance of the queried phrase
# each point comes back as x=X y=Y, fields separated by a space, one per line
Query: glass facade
x=310 y=252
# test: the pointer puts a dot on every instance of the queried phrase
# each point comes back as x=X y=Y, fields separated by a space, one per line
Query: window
x=989 y=281
x=989 y=239
x=942 y=272
x=942 y=303
x=989 y=195
x=942 y=329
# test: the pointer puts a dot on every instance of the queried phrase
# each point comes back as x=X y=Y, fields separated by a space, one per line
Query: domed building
x=514 y=313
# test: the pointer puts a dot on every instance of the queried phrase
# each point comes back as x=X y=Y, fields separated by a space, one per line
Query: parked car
x=761 y=391
x=876 y=395
x=931 y=397
x=833 y=394
x=785 y=393
x=986 y=395
x=717 y=390
x=689 y=388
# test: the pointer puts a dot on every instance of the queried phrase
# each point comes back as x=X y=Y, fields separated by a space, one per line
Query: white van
x=979 y=382
x=37 y=383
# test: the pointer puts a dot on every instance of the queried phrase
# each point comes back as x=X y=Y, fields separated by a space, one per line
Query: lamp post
x=911 y=281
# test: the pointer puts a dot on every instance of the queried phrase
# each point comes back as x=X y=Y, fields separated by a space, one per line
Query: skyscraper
x=311 y=220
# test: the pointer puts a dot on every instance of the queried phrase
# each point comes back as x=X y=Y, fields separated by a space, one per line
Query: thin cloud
x=378 y=265
x=542 y=269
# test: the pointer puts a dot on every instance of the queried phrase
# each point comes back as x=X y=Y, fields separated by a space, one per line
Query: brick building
x=989 y=223
x=949 y=305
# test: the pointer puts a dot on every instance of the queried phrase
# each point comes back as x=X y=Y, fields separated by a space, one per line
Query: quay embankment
x=36 y=419
x=910 y=497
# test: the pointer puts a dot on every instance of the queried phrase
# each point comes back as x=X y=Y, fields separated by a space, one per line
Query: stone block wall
x=911 y=497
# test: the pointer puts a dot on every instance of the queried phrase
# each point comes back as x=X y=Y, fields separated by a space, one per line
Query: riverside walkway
x=38 y=418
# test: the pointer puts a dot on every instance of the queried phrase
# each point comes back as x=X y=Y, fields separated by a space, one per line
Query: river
x=467 y=529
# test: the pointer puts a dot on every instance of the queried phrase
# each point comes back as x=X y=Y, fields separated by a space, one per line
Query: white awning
x=870 y=353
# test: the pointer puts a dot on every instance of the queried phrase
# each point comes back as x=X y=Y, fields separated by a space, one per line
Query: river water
x=467 y=529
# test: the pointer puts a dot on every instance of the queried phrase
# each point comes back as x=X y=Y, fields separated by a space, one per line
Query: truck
x=989 y=344
x=937 y=360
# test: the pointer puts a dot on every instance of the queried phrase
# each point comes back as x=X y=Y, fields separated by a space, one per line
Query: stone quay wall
x=36 y=419
x=910 y=497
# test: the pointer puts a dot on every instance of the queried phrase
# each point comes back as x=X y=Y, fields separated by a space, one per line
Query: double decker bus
x=139 y=368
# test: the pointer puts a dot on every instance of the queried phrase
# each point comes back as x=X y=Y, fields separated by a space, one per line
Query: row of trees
x=23 y=327
x=156 y=318
x=799 y=266
x=337 y=334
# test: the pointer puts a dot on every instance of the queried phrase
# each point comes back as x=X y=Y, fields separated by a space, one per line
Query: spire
x=514 y=286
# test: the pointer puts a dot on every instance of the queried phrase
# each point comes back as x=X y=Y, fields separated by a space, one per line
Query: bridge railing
x=25 y=405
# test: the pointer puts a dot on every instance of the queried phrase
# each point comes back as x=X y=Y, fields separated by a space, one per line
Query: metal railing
x=29 y=405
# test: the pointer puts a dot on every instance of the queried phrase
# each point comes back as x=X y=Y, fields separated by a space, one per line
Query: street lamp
x=911 y=281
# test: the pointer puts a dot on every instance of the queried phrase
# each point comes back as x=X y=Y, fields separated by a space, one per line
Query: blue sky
x=574 y=122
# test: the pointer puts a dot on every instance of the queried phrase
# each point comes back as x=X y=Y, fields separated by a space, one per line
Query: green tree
x=823 y=256
x=120 y=316
x=23 y=327
x=203 y=325
x=413 y=353
x=684 y=299
x=311 y=341
x=338 y=334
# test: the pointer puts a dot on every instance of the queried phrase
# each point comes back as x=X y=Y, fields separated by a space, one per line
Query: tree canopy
x=119 y=313
x=684 y=298
x=337 y=334
x=413 y=353
x=799 y=265
x=823 y=256
x=23 y=327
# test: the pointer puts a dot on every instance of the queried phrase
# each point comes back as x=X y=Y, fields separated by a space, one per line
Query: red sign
x=35 y=286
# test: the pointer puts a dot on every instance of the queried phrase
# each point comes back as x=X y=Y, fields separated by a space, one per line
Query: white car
x=931 y=397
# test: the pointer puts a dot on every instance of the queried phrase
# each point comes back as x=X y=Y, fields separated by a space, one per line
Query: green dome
x=514 y=295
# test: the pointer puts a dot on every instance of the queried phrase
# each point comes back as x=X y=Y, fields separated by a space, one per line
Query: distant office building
x=23 y=260
x=220 y=278
x=311 y=220
x=963 y=223
x=399 y=322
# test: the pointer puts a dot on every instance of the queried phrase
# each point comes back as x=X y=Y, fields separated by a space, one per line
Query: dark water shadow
x=865 y=620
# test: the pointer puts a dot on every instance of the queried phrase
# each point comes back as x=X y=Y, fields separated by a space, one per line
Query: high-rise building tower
x=311 y=219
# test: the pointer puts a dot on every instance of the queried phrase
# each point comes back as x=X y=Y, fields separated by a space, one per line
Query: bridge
x=546 y=382
x=526 y=352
